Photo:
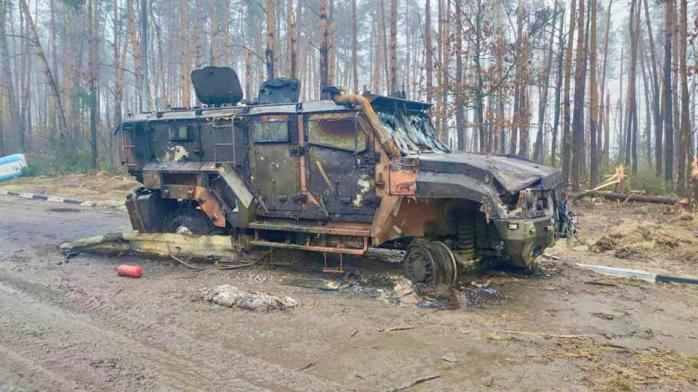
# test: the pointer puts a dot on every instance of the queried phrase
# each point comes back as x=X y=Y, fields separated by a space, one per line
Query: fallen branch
x=624 y=197
x=393 y=329
x=413 y=383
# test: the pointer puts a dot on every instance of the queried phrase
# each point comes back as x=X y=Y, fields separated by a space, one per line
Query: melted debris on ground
x=231 y=296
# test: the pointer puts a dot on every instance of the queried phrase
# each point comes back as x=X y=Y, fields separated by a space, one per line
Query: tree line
x=583 y=85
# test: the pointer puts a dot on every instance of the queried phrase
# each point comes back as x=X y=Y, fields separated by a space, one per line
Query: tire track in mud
x=40 y=377
x=84 y=347
x=184 y=360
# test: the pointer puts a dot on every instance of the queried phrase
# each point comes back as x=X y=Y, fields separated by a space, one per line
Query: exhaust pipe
x=361 y=101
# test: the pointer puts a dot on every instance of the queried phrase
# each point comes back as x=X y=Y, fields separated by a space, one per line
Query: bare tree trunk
x=478 y=74
x=631 y=124
x=429 y=55
x=667 y=91
x=539 y=150
x=354 y=44
x=648 y=111
x=566 y=134
x=46 y=69
x=685 y=122
x=248 y=74
x=578 y=118
x=145 y=90
x=656 y=113
x=290 y=40
x=93 y=78
x=13 y=135
x=558 y=91
x=458 y=88
x=393 y=88
x=331 y=52
x=621 y=145
x=324 y=43
x=185 y=56
x=603 y=146
x=594 y=104
x=270 y=53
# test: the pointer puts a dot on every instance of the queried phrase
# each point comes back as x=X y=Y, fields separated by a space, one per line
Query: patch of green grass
x=618 y=383
x=58 y=164
x=647 y=181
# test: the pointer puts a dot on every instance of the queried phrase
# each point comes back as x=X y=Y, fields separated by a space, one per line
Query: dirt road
x=77 y=326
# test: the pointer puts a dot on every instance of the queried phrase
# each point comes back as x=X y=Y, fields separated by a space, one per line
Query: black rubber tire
x=194 y=219
x=419 y=264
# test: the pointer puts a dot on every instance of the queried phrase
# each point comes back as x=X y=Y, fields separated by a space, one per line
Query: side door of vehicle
x=340 y=166
x=274 y=165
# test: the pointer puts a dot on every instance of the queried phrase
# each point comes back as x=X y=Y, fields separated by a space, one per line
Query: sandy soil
x=78 y=326
x=100 y=188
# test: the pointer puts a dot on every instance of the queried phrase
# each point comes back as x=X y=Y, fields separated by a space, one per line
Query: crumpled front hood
x=511 y=173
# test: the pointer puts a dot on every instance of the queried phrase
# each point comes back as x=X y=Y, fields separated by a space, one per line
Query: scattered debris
x=130 y=271
x=311 y=283
x=481 y=285
x=413 y=383
x=227 y=295
x=605 y=316
x=450 y=357
x=601 y=283
x=480 y=295
x=308 y=366
x=354 y=333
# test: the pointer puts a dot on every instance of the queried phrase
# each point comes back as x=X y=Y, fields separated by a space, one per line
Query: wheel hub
x=429 y=263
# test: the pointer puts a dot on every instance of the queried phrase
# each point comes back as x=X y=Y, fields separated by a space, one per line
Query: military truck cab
x=335 y=176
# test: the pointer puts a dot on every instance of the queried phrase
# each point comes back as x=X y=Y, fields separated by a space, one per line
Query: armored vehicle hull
x=338 y=176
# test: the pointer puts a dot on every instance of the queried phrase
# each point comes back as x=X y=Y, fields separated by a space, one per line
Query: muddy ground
x=76 y=325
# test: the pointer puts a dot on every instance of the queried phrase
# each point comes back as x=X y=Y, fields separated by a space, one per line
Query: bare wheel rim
x=446 y=260
x=420 y=266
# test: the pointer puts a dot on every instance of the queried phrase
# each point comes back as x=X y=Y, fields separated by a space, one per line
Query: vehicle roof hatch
x=217 y=85
x=279 y=90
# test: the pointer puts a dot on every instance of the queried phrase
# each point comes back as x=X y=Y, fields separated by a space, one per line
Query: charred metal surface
x=337 y=176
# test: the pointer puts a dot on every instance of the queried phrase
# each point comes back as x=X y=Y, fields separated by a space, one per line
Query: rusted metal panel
x=151 y=180
x=332 y=228
x=341 y=169
x=403 y=176
x=181 y=192
x=313 y=248
x=399 y=217
x=210 y=206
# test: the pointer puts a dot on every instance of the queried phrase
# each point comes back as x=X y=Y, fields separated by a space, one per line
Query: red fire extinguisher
x=131 y=271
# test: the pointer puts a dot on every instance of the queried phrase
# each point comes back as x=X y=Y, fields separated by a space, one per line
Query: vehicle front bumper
x=525 y=238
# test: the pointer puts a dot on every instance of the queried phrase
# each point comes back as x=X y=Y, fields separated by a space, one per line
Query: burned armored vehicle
x=336 y=176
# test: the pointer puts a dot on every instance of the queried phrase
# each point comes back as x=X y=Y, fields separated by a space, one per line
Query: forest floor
x=77 y=325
